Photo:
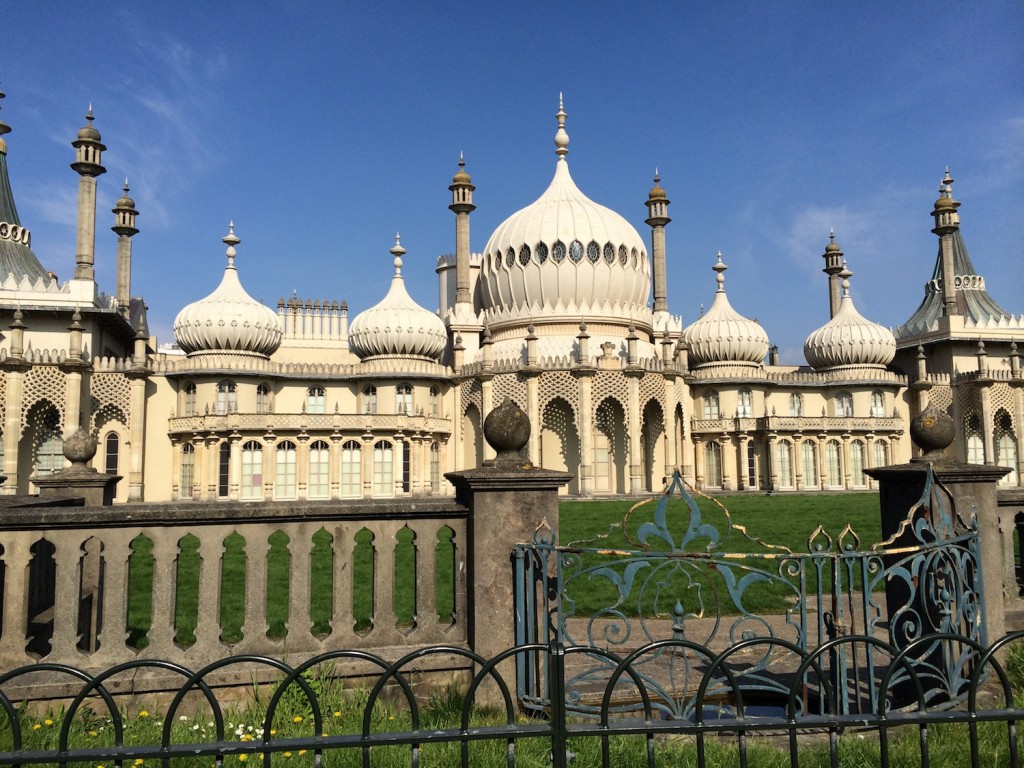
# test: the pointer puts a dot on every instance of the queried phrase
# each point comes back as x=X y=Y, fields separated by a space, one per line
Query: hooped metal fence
x=692 y=575
x=500 y=735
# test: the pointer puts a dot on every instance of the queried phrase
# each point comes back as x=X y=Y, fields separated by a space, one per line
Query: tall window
x=189 y=397
x=1006 y=446
x=370 y=399
x=784 y=464
x=711 y=405
x=226 y=398
x=435 y=401
x=881 y=453
x=809 y=456
x=351 y=469
x=319 y=468
x=284 y=480
x=188 y=471
x=49 y=456
x=315 y=400
x=406 y=466
x=834 y=463
x=383 y=469
x=975 y=442
x=403 y=399
x=111 y=446
x=263 y=398
x=858 y=462
x=844 y=404
x=435 y=468
x=713 y=464
x=223 y=470
x=796 y=404
x=745 y=404
x=252 y=470
x=751 y=465
x=878 y=404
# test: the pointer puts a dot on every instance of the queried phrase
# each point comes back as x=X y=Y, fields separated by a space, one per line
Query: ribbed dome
x=397 y=326
x=228 y=320
x=723 y=335
x=849 y=339
x=564 y=250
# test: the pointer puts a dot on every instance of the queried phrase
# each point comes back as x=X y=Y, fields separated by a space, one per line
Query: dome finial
x=720 y=268
x=231 y=240
x=846 y=274
x=657 y=176
x=561 y=137
x=397 y=251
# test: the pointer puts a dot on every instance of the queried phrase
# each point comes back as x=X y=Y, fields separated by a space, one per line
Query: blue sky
x=322 y=129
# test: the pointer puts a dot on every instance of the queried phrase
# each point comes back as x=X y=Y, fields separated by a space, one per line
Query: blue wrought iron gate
x=691 y=585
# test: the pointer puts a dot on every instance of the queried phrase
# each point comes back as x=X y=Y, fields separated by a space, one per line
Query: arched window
x=226 y=399
x=188 y=407
x=713 y=464
x=858 y=462
x=1006 y=446
x=881 y=453
x=435 y=468
x=710 y=405
x=111 y=447
x=319 y=469
x=351 y=469
x=974 y=440
x=784 y=464
x=878 y=404
x=403 y=399
x=745 y=404
x=188 y=471
x=383 y=469
x=809 y=456
x=252 y=470
x=834 y=463
x=796 y=404
x=315 y=397
x=284 y=480
x=844 y=404
x=435 y=401
x=370 y=399
x=263 y=398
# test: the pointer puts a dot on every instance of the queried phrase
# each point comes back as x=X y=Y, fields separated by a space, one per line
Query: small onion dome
x=657 y=193
x=228 y=320
x=87 y=131
x=723 y=335
x=849 y=339
x=397 y=326
x=461 y=176
x=125 y=201
x=564 y=249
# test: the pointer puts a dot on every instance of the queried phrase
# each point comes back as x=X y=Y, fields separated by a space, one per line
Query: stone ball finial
x=507 y=430
x=932 y=430
x=80 y=448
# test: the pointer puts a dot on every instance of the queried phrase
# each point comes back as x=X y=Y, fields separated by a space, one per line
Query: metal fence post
x=556 y=688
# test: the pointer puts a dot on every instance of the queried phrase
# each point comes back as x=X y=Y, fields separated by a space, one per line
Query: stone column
x=585 y=377
x=636 y=478
x=508 y=499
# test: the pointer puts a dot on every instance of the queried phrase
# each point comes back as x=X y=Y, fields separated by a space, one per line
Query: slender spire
x=231 y=240
x=398 y=252
x=561 y=137
x=834 y=265
x=657 y=218
x=720 y=268
x=462 y=205
x=4 y=128
x=16 y=256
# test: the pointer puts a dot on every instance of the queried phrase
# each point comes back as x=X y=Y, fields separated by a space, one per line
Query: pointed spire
x=397 y=251
x=231 y=240
x=720 y=268
x=4 y=128
x=561 y=137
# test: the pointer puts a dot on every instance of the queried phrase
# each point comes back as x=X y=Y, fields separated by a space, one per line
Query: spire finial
x=231 y=240
x=462 y=160
x=657 y=176
x=720 y=268
x=831 y=234
x=561 y=137
x=125 y=188
x=4 y=128
x=397 y=251
x=846 y=274
x=89 y=115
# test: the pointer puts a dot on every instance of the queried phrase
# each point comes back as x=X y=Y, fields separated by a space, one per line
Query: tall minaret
x=657 y=218
x=462 y=205
x=947 y=222
x=88 y=153
x=833 y=256
x=124 y=226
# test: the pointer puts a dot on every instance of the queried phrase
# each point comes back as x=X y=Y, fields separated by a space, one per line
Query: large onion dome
x=229 y=320
x=564 y=254
x=397 y=326
x=723 y=335
x=848 y=339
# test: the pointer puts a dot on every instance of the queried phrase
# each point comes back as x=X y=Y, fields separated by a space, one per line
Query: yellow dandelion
x=391 y=717
x=302 y=751
x=297 y=719
x=93 y=733
x=139 y=761
x=47 y=721
x=273 y=732
x=287 y=754
x=36 y=727
x=143 y=713
x=242 y=758
x=337 y=713
x=246 y=737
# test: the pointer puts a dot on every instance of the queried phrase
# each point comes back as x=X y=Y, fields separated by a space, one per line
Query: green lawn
x=781 y=520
